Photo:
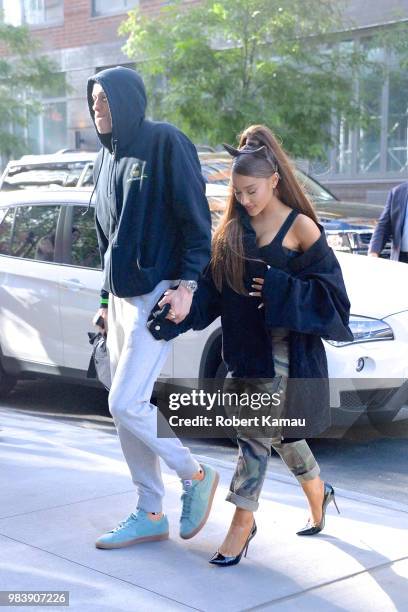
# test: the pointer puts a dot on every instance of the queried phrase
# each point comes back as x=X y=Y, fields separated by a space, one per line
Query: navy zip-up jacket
x=152 y=217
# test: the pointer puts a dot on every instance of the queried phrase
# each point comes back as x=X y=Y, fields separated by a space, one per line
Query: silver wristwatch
x=191 y=285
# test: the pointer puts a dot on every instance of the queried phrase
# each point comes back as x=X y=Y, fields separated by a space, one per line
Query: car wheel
x=7 y=383
x=221 y=371
x=220 y=375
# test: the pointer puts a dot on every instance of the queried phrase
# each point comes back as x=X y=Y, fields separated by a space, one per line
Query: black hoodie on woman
x=152 y=217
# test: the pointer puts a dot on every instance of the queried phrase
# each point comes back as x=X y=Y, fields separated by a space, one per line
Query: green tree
x=24 y=75
x=219 y=66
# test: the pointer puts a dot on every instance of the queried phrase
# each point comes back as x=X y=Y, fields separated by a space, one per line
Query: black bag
x=99 y=365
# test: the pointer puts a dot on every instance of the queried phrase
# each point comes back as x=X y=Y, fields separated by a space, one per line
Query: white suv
x=50 y=280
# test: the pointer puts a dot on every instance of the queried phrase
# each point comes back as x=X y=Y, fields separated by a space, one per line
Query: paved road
x=378 y=466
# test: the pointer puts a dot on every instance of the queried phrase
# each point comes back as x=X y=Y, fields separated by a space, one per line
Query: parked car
x=348 y=225
x=74 y=169
x=50 y=279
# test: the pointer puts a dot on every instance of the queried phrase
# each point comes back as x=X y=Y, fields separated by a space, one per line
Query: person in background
x=392 y=225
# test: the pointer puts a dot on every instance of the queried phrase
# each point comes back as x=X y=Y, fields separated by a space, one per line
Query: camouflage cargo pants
x=253 y=453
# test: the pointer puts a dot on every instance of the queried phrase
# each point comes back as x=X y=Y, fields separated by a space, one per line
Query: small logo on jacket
x=137 y=172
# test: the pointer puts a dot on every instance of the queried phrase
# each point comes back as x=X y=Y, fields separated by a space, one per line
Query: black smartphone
x=100 y=322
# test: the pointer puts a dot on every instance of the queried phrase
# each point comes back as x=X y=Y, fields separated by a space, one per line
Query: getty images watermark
x=198 y=398
x=223 y=408
x=288 y=407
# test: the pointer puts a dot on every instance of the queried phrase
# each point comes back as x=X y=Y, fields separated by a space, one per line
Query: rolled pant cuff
x=313 y=473
x=242 y=502
x=188 y=472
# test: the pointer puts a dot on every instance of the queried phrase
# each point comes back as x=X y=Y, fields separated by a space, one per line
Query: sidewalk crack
x=80 y=501
x=92 y=569
x=273 y=602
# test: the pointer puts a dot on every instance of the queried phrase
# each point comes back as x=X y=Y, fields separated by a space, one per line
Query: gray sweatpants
x=136 y=360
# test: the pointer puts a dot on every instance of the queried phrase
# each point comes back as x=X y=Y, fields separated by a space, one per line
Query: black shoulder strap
x=286 y=225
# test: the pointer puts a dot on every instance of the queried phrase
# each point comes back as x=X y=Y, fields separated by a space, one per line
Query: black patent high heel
x=312 y=529
x=223 y=561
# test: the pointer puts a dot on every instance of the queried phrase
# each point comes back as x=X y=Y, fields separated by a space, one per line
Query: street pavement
x=62 y=485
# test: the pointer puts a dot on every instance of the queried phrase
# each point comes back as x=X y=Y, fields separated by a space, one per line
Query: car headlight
x=339 y=241
x=365 y=329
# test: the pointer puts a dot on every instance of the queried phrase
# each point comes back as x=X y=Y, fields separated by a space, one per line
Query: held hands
x=180 y=303
x=258 y=285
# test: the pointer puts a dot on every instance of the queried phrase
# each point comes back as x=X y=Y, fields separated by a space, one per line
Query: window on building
x=340 y=158
x=343 y=138
x=379 y=144
x=370 y=95
x=47 y=132
x=12 y=12
x=38 y=12
x=107 y=7
x=397 y=135
x=32 y=12
x=54 y=126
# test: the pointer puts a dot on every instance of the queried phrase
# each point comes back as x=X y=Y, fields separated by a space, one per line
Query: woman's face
x=254 y=193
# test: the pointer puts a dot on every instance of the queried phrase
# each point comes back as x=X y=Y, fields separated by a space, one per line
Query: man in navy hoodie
x=154 y=230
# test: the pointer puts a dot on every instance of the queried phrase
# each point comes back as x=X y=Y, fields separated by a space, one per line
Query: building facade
x=367 y=161
x=81 y=37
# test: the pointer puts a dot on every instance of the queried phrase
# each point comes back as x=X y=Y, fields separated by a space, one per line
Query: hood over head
x=127 y=100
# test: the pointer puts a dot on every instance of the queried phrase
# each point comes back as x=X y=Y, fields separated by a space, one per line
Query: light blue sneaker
x=197 y=499
x=136 y=528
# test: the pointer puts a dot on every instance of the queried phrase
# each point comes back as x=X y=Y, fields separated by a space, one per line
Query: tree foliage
x=24 y=75
x=216 y=67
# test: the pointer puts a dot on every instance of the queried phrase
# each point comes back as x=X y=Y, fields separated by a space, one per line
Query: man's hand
x=180 y=303
x=372 y=254
x=100 y=320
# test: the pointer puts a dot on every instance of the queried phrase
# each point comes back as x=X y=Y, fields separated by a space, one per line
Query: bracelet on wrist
x=191 y=285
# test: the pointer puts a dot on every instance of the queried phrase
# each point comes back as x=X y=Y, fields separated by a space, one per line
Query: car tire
x=7 y=383
x=221 y=371
x=220 y=375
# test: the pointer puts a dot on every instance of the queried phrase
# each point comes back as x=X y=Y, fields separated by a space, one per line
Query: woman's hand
x=258 y=285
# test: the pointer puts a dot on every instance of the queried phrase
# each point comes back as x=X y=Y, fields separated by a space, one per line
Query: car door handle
x=72 y=283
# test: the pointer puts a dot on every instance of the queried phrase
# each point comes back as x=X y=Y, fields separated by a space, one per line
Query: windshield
x=50 y=176
x=216 y=171
x=316 y=192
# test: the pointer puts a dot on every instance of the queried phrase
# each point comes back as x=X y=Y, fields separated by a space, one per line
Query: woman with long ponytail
x=279 y=290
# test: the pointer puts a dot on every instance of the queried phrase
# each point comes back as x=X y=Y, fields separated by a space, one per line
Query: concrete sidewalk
x=63 y=485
